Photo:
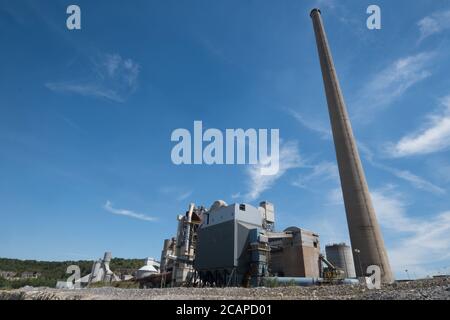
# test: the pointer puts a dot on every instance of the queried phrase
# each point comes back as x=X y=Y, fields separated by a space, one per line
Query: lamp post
x=357 y=251
x=406 y=270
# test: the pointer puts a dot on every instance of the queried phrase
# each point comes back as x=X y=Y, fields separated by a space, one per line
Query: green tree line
x=52 y=271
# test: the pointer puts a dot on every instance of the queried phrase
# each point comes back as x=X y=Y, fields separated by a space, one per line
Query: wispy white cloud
x=128 y=213
x=71 y=124
x=322 y=172
x=125 y=71
x=176 y=192
x=433 y=24
x=325 y=4
x=236 y=195
x=168 y=189
x=329 y=222
x=311 y=124
x=440 y=168
x=112 y=63
x=112 y=77
x=322 y=175
x=423 y=241
x=326 y=172
x=213 y=48
x=289 y=159
x=391 y=83
x=85 y=90
x=334 y=197
x=390 y=207
x=184 y=195
x=433 y=137
x=415 y=180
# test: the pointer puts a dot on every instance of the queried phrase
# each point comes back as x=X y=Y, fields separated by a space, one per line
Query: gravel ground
x=412 y=290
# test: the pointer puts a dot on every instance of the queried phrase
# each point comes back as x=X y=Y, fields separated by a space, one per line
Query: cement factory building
x=296 y=254
x=237 y=244
x=222 y=252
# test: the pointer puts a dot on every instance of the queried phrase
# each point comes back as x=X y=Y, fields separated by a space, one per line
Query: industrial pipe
x=187 y=234
x=298 y=281
x=304 y=281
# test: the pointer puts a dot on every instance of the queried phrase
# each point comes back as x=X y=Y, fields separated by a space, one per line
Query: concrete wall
x=297 y=256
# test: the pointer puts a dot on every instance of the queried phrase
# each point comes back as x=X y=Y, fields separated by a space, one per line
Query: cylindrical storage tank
x=164 y=254
x=146 y=271
x=340 y=255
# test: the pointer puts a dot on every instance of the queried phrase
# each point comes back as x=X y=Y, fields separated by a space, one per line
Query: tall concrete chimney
x=365 y=235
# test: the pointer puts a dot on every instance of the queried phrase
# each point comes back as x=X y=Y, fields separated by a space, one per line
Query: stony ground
x=415 y=290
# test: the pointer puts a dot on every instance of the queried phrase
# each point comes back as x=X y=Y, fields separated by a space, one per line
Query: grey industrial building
x=233 y=245
x=223 y=242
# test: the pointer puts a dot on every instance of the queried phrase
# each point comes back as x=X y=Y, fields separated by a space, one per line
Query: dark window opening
x=242 y=207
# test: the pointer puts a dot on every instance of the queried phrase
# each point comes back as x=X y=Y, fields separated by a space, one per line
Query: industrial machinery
x=178 y=253
x=331 y=274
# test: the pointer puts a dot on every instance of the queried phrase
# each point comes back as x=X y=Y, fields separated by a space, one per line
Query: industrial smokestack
x=365 y=234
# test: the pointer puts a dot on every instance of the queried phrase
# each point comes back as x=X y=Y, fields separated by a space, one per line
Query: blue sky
x=86 y=118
